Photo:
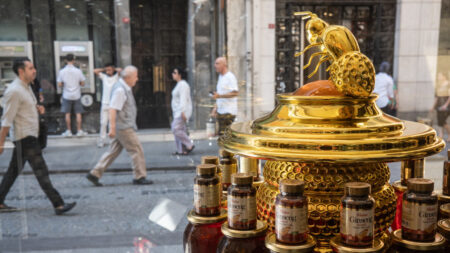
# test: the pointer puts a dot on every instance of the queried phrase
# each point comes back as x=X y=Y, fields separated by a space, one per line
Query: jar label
x=357 y=225
x=290 y=221
x=241 y=212
x=227 y=171
x=419 y=217
x=206 y=196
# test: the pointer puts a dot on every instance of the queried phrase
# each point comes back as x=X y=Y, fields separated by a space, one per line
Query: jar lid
x=420 y=185
x=228 y=161
x=197 y=219
x=206 y=169
x=399 y=187
x=292 y=186
x=275 y=246
x=224 y=153
x=442 y=197
x=444 y=228
x=210 y=160
x=241 y=178
x=439 y=242
x=445 y=209
x=338 y=246
x=261 y=229
x=357 y=189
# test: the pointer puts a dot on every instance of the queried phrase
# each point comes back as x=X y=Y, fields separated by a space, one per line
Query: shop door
x=158 y=34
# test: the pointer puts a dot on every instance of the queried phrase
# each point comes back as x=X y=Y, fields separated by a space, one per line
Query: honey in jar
x=419 y=211
x=207 y=191
x=357 y=215
x=291 y=213
x=242 y=202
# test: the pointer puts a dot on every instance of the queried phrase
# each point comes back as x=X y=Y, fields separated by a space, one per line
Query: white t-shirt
x=119 y=97
x=384 y=87
x=71 y=77
x=226 y=84
x=181 y=100
x=108 y=82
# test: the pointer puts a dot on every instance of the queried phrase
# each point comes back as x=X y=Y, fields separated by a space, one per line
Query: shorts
x=68 y=105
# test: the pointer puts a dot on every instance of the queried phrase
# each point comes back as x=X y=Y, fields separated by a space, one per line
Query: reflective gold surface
x=275 y=246
x=331 y=129
x=338 y=246
x=438 y=244
x=261 y=229
x=197 y=219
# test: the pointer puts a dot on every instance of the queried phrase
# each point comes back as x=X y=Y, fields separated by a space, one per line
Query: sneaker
x=67 y=133
x=65 y=208
x=7 y=209
x=93 y=179
x=142 y=181
x=81 y=133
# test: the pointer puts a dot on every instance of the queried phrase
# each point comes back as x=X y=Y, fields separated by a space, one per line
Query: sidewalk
x=80 y=154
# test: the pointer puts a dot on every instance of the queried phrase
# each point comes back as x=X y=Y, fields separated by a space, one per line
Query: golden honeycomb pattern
x=325 y=177
x=324 y=197
x=353 y=74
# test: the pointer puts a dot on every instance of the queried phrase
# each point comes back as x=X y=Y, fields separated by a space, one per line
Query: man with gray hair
x=122 y=129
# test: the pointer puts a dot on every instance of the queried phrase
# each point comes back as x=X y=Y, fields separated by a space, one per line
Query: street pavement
x=115 y=217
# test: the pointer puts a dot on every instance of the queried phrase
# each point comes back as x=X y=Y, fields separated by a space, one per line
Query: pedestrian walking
x=43 y=128
x=181 y=111
x=122 y=128
x=70 y=78
x=384 y=87
x=20 y=118
x=109 y=76
x=441 y=103
x=226 y=106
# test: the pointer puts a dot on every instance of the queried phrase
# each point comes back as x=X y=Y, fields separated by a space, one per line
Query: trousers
x=179 y=131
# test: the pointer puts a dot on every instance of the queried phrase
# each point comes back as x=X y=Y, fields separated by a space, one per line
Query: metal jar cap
x=438 y=244
x=443 y=227
x=357 y=189
x=275 y=246
x=241 y=178
x=201 y=220
x=224 y=153
x=206 y=169
x=292 y=186
x=261 y=230
x=210 y=160
x=420 y=185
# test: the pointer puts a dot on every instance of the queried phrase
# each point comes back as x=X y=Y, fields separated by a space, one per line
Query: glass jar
x=446 y=176
x=339 y=247
x=243 y=241
x=242 y=202
x=277 y=247
x=229 y=167
x=203 y=233
x=419 y=211
x=400 y=245
x=207 y=191
x=291 y=213
x=357 y=215
x=444 y=211
x=213 y=160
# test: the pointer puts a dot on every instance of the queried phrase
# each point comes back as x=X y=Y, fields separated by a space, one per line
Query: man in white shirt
x=20 y=118
x=70 y=78
x=122 y=129
x=182 y=111
x=384 y=87
x=109 y=76
x=225 y=109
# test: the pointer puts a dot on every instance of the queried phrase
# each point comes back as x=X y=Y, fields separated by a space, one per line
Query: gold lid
x=357 y=189
x=399 y=187
x=261 y=229
x=444 y=228
x=292 y=186
x=210 y=160
x=338 y=246
x=439 y=242
x=420 y=185
x=225 y=154
x=197 y=219
x=206 y=169
x=241 y=178
x=228 y=161
x=275 y=246
x=442 y=197
x=445 y=209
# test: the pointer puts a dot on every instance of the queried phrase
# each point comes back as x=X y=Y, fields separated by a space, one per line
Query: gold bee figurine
x=351 y=71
